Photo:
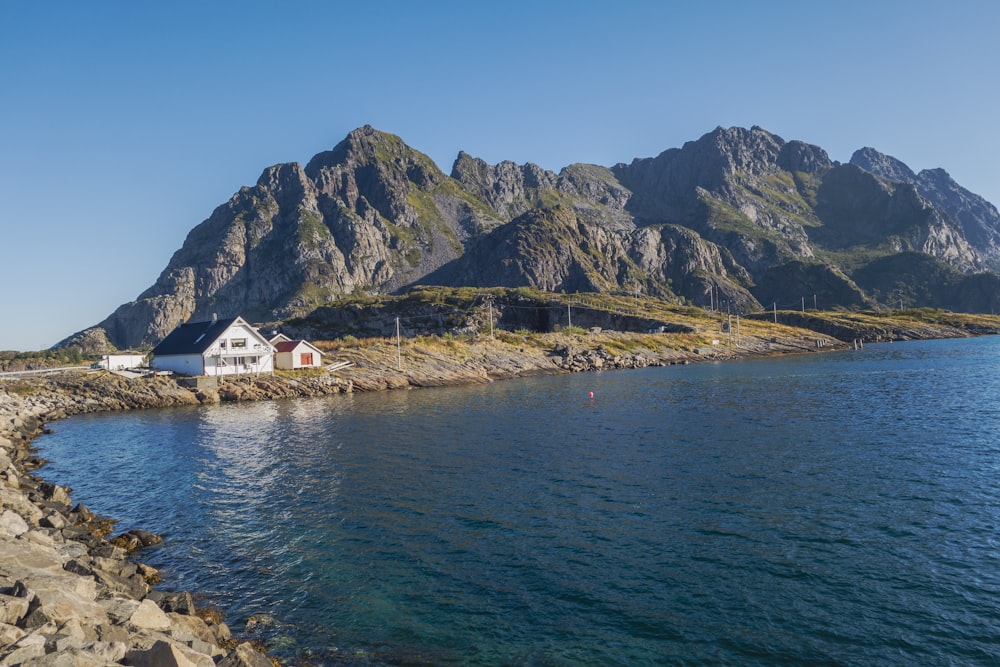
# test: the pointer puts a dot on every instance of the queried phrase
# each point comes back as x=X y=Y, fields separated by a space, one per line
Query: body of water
x=837 y=508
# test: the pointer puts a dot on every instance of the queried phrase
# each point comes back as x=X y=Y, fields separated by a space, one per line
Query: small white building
x=120 y=362
x=292 y=354
x=217 y=347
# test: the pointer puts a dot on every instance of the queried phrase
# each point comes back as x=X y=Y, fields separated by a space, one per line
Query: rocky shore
x=71 y=596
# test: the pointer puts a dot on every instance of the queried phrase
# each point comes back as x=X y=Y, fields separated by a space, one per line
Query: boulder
x=53 y=520
x=20 y=655
x=165 y=654
x=119 y=610
x=55 y=493
x=245 y=655
x=135 y=539
x=148 y=616
x=12 y=524
x=181 y=602
x=9 y=634
x=13 y=609
x=195 y=633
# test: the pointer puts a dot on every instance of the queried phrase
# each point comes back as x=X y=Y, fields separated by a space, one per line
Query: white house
x=217 y=347
x=291 y=354
x=278 y=338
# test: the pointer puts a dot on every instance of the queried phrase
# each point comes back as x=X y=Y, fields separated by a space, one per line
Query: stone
x=119 y=609
x=61 y=598
x=53 y=520
x=245 y=655
x=61 y=643
x=165 y=654
x=22 y=654
x=9 y=634
x=12 y=524
x=181 y=602
x=81 y=514
x=39 y=538
x=112 y=634
x=149 y=574
x=149 y=617
x=130 y=587
x=109 y=651
x=13 y=609
x=14 y=500
x=55 y=493
x=70 y=657
x=78 y=566
x=195 y=633
x=74 y=628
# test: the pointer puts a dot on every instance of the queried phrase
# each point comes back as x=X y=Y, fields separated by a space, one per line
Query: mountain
x=738 y=213
x=978 y=219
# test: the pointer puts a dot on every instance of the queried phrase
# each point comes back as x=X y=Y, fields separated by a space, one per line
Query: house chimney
x=215 y=317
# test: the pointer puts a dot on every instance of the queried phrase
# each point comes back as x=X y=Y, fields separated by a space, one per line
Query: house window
x=307 y=359
x=246 y=361
x=238 y=343
x=222 y=343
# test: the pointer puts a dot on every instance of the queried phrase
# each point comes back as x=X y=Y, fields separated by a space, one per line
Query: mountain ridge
x=740 y=213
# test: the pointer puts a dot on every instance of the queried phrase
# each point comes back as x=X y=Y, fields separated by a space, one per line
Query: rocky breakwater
x=68 y=594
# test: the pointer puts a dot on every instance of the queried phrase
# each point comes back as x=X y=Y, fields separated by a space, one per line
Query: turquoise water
x=838 y=508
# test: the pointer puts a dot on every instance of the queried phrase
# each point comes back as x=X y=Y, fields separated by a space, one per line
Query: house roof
x=192 y=337
x=290 y=345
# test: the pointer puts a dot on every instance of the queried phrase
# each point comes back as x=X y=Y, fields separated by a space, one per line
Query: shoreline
x=65 y=589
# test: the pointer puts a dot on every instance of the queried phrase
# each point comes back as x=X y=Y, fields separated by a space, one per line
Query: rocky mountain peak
x=798 y=156
x=740 y=150
x=883 y=165
x=978 y=219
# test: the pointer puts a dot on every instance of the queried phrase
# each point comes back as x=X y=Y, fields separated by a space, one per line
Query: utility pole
x=739 y=341
x=814 y=303
x=491 y=319
x=399 y=354
x=775 y=312
x=569 y=314
x=803 y=304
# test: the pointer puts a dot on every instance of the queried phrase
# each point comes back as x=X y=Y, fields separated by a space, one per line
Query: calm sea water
x=841 y=508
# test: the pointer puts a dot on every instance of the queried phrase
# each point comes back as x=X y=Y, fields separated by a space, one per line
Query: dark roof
x=192 y=337
x=287 y=345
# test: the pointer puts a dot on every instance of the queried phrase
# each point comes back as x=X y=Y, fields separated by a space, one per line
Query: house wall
x=186 y=364
x=117 y=362
x=227 y=348
x=292 y=360
x=265 y=364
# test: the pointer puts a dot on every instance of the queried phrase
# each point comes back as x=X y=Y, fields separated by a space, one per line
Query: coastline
x=66 y=590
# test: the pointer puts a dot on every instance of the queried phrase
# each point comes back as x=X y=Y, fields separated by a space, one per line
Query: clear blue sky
x=124 y=124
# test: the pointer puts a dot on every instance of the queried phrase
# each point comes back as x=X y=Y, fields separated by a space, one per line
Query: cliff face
x=978 y=219
x=738 y=212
